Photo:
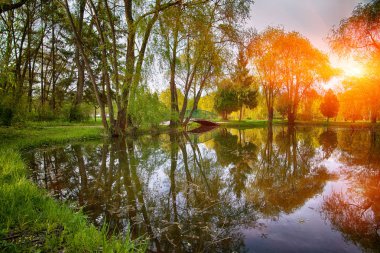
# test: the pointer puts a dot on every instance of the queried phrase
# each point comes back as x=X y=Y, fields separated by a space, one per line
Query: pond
x=226 y=190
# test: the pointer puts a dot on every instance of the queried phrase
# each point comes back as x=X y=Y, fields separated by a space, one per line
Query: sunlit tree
x=351 y=105
x=330 y=105
x=359 y=33
x=263 y=51
x=302 y=66
x=287 y=62
x=281 y=105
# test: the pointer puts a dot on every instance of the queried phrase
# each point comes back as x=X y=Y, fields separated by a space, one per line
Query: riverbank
x=264 y=123
x=30 y=219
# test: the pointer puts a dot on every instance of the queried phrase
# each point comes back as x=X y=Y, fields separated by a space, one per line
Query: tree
x=140 y=18
x=281 y=105
x=244 y=84
x=358 y=35
x=54 y=55
x=262 y=51
x=195 y=40
x=226 y=99
x=330 y=105
x=287 y=63
x=309 y=108
x=301 y=67
x=8 y=6
x=360 y=32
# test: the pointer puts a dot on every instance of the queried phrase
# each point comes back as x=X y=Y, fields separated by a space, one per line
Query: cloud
x=312 y=18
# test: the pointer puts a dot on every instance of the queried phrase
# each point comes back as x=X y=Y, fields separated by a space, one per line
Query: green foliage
x=6 y=116
x=147 y=110
x=282 y=104
x=165 y=98
x=226 y=99
x=77 y=113
x=45 y=113
x=244 y=83
x=237 y=92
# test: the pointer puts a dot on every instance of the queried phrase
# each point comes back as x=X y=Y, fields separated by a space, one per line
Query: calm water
x=228 y=190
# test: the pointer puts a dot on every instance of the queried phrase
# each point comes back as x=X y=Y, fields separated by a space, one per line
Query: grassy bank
x=32 y=221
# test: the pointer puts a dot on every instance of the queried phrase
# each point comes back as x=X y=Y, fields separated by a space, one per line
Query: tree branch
x=10 y=6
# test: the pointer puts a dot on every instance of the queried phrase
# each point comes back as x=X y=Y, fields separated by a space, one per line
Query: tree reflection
x=174 y=193
x=356 y=212
x=290 y=177
x=329 y=142
x=283 y=175
x=238 y=153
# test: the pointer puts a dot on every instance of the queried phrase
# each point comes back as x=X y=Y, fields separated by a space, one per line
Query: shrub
x=76 y=113
x=6 y=116
x=147 y=110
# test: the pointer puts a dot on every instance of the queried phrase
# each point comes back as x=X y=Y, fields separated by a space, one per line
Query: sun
x=354 y=69
x=351 y=67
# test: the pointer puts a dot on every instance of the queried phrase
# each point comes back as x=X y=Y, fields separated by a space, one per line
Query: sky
x=312 y=18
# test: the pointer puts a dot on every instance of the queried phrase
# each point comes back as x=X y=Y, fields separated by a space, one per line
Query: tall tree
x=286 y=62
x=196 y=38
x=263 y=51
x=360 y=32
x=359 y=35
x=244 y=84
x=301 y=66
x=140 y=18
x=9 y=5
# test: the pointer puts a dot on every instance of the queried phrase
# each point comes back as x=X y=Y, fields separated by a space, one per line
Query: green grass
x=30 y=219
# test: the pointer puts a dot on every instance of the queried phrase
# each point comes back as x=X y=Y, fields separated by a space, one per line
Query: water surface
x=227 y=190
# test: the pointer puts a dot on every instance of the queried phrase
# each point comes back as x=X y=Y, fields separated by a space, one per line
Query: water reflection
x=356 y=211
x=202 y=193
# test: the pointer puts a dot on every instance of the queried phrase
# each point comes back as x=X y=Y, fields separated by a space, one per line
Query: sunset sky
x=312 y=18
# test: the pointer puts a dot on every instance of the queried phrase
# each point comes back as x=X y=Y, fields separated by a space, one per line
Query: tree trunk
x=114 y=54
x=270 y=115
x=373 y=117
x=291 y=118
x=241 y=113
x=78 y=59
x=30 y=75
x=42 y=61
x=53 y=79
x=80 y=77
x=79 y=43
x=104 y=67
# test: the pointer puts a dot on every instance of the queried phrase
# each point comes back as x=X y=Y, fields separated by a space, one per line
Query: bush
x=147 y=110
x=6 y=116
x=76 y=113
x=45 y=113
